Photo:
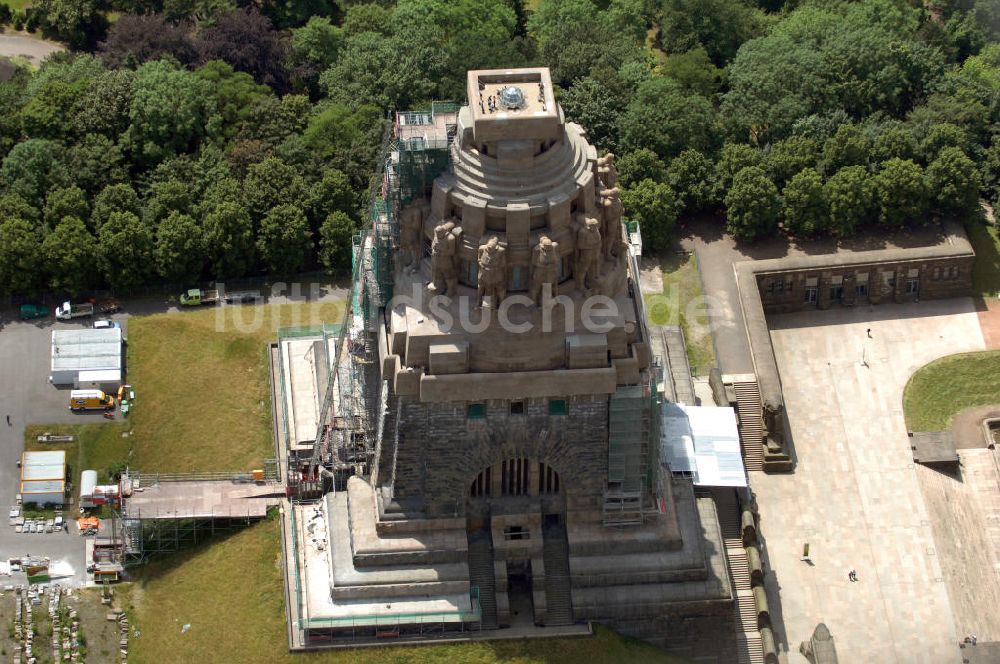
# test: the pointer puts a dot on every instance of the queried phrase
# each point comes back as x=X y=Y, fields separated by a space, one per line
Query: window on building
x=953 y=272
x=861 y=289
x=516 y=533
x=517 y=278
x=912 y=286
x=517 y=408
x=557 y=406
x=476 y=411
x=810 y=296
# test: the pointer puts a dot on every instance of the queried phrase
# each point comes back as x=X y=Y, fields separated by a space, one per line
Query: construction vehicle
x=90 y=400
x=196 y=297
x=109 y=306
x=29 y=311
x=67 y=310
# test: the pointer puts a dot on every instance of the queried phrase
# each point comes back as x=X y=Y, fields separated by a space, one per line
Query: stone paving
x=855 y=495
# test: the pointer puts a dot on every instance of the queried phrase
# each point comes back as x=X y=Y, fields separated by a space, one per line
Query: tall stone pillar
x=823 y=291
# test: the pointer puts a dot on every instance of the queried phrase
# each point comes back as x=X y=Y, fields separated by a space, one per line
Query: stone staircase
x=749 y=410
x=750 y=649
x=481 y=574
x=558 y=594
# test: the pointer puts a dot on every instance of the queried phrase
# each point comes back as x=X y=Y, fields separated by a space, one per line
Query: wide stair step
x=558 y=593
x=481 y=574
x=749 y=410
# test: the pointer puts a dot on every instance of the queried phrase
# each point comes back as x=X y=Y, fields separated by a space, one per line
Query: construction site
x=461 y=463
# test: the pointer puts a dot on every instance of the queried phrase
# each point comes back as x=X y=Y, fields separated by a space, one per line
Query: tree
x=114 y=198
x=574 y=37
x=847 y=147
x=850 y=195
x=229 y=240
x=656 y=207
x=272 y=183
x=97 y=162
x=894 y=141
x=317 y=42
x=246 y=40
x=639 y=165
x=667 y=121
x=79 y=23
x=135 y=39
x=235 y=94
x=990 y=169
x=125 y=251
x=166 y=197
x=806 y=210
x=32 y=167
x=953 y=181
x=345 y=137
x=332 y=193
x=179 y=250
x=13 y=206
x=790 y=156
x=900 y=192
x=65 y=202
x=284 y=239
x=336 y=235
x=941 y=136
x=733 y=159
x=597 y=102
x=70 y=252
x=719 y=26
x=169 y=111
x=20 y=262
x=367 y=17
x=105 y=105
x=694 y=72
x=752 y=204
x=691 y=176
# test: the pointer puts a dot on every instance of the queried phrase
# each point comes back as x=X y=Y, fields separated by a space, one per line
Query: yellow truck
x=90 y=400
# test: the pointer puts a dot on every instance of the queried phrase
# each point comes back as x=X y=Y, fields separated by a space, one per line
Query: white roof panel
x=44 y=465
x=703 y=440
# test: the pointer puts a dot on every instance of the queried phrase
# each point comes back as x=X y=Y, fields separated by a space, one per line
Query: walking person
x=869 y=333
x=8 y=421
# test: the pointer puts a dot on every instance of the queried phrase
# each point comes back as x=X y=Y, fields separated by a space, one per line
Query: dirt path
x=24 y=45
x=967 y=427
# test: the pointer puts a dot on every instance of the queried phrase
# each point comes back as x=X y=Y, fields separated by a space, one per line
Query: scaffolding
x=416 y=149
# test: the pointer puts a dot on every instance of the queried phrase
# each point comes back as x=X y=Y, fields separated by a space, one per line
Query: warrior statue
x=607 y=172
x=588 y=253
x=611 y=232
x=444 y=271
x=492 y=273
x=544 y=268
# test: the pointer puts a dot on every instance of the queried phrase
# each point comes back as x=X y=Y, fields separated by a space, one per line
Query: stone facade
x=903 y=280
x=441 y=450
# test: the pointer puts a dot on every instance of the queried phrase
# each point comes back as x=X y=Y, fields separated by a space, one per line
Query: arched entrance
x=517 y=476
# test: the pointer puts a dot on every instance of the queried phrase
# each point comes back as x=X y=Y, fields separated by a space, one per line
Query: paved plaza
x=855 y=496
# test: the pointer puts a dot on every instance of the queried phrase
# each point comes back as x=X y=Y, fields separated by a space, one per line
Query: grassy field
x=986 y=271
x=16 y=4
x=201 y=383
x=939 y=390
x=97 y=447
x=232 y=596
x=681 y=303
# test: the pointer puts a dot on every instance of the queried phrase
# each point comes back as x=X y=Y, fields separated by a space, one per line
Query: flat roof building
x=87 y=358
x=43 y=477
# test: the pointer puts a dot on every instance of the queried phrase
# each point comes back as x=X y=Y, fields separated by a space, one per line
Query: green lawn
x=681 y=303
x=986 y=271
x=939 y=390
x=16 y=4
x=231 y=594
x=202 y=386
x=97 y=447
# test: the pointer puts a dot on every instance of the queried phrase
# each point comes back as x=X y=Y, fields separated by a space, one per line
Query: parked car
x=18 y=528
x=29 y=311
x=29 y=525
x=106 y=324
x=58 y=524
x=49 y=525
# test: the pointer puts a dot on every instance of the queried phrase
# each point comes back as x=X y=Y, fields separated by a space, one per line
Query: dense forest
x=186 y=139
